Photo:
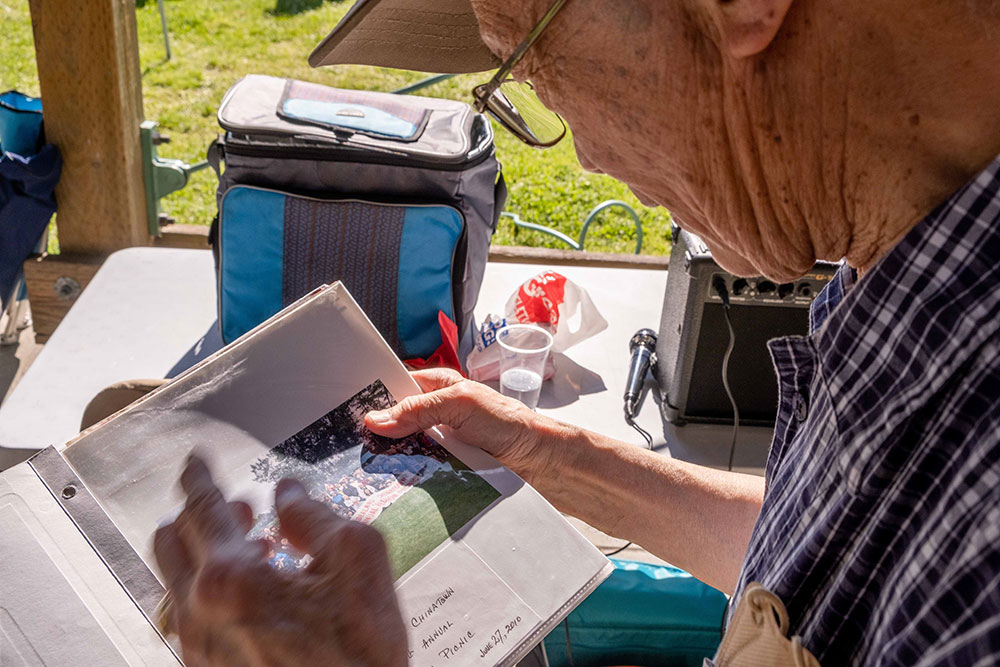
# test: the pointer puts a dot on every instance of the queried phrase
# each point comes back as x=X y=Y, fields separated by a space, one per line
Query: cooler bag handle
x=214 y=156
x=499 y=196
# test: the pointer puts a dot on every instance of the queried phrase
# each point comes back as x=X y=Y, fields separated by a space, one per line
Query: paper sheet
x=287 y=398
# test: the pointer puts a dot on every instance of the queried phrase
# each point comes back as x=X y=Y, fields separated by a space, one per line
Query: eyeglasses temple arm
x=518 y=53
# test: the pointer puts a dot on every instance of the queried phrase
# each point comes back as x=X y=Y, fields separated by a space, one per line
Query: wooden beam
x=53 y=280
x=183 y=236
x=88 y=71
x=54 y=283
x=196 y=236
x=555 y=257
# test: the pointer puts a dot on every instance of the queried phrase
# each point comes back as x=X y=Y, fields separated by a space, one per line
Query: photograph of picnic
x=413 y=490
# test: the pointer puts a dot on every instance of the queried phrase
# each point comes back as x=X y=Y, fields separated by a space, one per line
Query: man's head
x=781 y=132
x=640 y=84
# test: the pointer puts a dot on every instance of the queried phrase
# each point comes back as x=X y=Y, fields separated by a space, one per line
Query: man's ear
x=749 y=26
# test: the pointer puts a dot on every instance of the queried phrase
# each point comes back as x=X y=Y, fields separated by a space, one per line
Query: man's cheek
x=728 y=257
x=733 y=262
x=583 y=155
x=643 y=198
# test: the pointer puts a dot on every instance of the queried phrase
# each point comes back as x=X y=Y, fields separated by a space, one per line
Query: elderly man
x=782 y=132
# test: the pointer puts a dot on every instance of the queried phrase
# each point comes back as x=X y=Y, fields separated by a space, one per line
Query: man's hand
x=502 y=426
x=231 y=607
x=609 y=484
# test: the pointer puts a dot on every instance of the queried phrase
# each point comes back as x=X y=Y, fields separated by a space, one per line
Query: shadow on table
x=9 y=365
x=709 y=444
x=208 y=344
x=570 y=382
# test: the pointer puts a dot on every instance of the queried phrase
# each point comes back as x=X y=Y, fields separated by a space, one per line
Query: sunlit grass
x=216 y=43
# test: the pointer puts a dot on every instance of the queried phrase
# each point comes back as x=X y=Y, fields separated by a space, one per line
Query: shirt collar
x=831 y=296
x=888 y=341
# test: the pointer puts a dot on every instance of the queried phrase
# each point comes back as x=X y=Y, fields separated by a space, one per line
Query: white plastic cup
x=523 y=351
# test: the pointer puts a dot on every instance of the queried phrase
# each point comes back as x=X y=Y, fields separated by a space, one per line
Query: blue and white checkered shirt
x=880 y=529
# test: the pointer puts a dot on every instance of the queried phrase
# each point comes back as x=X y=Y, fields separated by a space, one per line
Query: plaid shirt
x=880 y=529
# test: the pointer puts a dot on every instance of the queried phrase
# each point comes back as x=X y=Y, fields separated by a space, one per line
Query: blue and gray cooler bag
x=396 y=196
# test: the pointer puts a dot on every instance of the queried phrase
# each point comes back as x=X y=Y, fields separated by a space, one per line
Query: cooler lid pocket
x=261 y=109
x=351 y=111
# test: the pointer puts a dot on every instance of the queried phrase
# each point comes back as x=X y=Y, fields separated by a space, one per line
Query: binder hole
x=68 y=492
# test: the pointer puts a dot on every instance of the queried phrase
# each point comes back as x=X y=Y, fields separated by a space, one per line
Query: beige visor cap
x=439 y=36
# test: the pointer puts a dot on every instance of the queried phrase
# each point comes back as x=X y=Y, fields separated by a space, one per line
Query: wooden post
x=88 y=71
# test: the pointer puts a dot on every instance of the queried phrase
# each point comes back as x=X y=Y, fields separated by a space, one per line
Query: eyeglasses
x=514 y=104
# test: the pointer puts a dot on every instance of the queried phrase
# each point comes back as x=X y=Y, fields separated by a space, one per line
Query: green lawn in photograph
x=430 y=513
x=216 y=43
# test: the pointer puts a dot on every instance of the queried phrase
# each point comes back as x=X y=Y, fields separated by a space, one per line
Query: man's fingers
x=243 y=513
x=422 y=411
x=173 y=559
x=336 y=544
x=196 y=475
x=236 y=589
x=207 y=521
x=432 y=379
x=308 y=524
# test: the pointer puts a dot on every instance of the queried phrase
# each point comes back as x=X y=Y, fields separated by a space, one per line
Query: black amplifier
x=693 y=336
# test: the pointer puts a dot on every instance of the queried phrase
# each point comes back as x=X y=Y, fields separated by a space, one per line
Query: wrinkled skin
x=500 y=425
x=832 y=141
x=230 y=607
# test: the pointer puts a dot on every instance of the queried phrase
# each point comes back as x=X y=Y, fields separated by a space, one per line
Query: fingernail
x=380 y=416
x=287 y=492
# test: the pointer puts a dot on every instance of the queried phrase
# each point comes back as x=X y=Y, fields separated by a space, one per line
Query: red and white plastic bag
x=552 y=302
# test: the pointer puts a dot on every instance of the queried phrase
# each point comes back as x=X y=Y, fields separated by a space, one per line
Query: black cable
x=720 y=288
x=645 y=435
x=725 y=383
x=618 y=550
x=649 y=445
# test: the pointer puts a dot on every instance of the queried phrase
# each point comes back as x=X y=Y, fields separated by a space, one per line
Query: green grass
x=216 y=43
x=428 y=514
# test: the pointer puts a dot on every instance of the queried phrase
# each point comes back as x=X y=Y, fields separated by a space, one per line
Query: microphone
x=642 y=346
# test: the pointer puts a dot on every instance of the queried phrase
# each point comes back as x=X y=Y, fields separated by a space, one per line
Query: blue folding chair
x=29 y=172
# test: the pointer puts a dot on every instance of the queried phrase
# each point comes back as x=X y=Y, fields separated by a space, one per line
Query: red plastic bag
x=446 y=356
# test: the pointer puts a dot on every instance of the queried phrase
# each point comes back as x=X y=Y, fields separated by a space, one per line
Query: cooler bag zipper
x=340 y=153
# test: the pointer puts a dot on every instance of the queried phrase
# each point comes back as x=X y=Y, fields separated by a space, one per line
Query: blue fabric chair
x=27 y=202
x=29 y=172
x=20 y=123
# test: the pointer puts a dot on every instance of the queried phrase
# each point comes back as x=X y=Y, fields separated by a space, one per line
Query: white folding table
x=151 y=312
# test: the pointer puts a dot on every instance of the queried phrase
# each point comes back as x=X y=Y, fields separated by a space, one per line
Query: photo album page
x=484 y=566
